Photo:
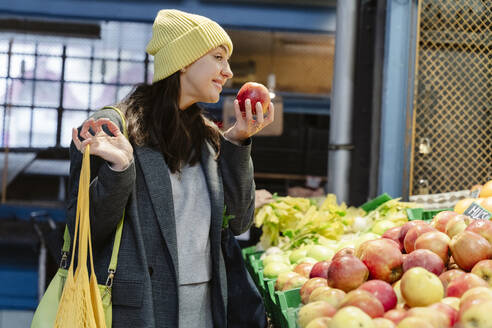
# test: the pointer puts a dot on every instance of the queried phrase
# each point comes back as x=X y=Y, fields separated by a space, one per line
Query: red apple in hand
x=256 y=92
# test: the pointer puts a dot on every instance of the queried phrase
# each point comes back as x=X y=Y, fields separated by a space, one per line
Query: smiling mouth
x=218 y=85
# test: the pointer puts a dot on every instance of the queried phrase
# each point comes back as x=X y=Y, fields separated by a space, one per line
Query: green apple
x=380 y=227
x=297 y=254
x=275 y=258
x=320 y=253
x=273 y=269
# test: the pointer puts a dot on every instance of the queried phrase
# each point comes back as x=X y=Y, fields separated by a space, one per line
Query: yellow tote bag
x=80 y=304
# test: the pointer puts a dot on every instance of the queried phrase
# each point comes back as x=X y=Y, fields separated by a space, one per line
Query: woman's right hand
x=115 y=149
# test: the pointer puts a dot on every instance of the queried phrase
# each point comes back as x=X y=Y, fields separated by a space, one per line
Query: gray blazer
x=145 y=288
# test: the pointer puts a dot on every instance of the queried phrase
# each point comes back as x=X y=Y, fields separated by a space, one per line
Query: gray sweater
x=192 y=214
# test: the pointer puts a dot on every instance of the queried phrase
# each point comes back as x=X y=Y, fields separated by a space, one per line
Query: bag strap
x=119 y=228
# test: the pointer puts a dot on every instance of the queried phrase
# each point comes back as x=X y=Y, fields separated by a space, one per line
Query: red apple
x=482 y=227
x=474 y=294
x=435 y=241
x=396 y=315
x=344 y=251
x=413 y=234
x=394 y=234
x=425 y=259
x=347 y=273
x=469 y=248
x=441 y=219
x=448 y=276
x=450 y=312
x=255 y=92
x=364 y=301
x=304 y=269
x=431 y=315
x=382 y=291
x=320 y=269
x=324 y=293
x=458 y=286
x=407 y=226
x=294 y=282
x=483 y=269
x=383 y=259
x=283 y=277
x=309 y=286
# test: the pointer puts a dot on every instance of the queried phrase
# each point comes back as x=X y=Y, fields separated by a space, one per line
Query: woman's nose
x=227 y=72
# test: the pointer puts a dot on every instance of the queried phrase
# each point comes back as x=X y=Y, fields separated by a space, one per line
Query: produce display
x=351 y=268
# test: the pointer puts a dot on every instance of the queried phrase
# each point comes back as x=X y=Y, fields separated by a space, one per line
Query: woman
x=174 y=178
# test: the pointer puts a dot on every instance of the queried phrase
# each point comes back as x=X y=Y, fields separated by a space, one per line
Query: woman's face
x=203 y=80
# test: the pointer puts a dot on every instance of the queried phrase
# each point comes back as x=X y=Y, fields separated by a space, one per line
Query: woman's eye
x=219 y=57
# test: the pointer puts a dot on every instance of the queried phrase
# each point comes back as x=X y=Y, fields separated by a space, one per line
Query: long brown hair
x=155 y=120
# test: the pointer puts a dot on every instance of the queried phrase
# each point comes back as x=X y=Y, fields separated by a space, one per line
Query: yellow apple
x=383 y=323
x=477 y=316
x=321 y=322
x=454 y=302
x=414 y=322
x=314 y=310
x=351 y=317
x=420 y=287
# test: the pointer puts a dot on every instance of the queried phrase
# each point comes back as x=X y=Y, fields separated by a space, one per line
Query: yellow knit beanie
x=180 y=38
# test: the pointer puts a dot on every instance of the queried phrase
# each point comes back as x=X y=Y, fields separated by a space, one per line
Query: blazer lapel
x=158 y=182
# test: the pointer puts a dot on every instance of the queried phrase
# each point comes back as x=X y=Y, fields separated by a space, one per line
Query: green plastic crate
x=247 y=251
x=376 y=202
x=269 y=296
x=421 y=214
x=289 y=318
x=289 y=298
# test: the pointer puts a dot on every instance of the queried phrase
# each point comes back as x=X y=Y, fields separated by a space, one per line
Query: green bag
x=45 y=314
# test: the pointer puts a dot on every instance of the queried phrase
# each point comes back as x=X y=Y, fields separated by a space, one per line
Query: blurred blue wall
x=292 y=18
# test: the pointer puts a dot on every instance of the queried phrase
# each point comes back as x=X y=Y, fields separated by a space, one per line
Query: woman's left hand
x=246 y=126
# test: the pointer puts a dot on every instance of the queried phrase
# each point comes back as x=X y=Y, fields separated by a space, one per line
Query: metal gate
x=452 y=109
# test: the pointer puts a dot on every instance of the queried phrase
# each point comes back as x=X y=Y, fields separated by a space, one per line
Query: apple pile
x=422 y=274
